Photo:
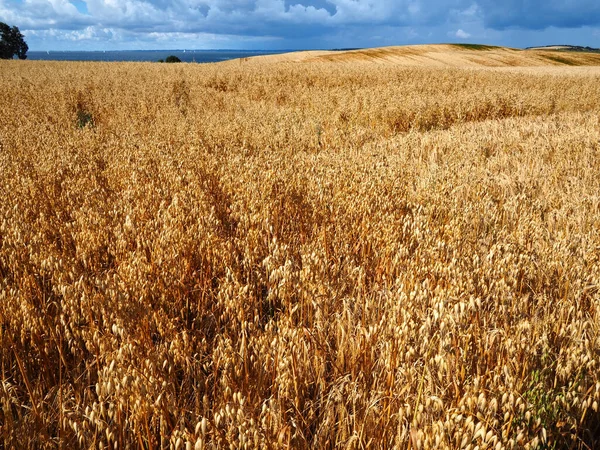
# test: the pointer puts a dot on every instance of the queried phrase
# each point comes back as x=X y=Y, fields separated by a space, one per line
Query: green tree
x=12 y=43
x=173 y=59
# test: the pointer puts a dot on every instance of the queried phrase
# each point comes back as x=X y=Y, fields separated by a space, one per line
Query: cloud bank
x=538 y=15
x=104 y=24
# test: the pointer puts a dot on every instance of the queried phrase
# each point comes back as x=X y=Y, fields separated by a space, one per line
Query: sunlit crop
x=299 y=255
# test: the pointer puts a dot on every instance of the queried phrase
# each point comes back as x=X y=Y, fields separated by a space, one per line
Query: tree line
x=12 y=42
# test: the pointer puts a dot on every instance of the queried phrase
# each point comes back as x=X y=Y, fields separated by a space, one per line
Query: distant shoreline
x=199 y=56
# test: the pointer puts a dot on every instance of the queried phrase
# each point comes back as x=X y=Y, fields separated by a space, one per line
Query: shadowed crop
x=477 y=47
x=561 y=60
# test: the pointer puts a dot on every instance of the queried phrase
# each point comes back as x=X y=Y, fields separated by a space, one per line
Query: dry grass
x=298 y=255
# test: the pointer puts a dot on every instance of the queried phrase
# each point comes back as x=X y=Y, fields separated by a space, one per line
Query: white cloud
x=90 y=33
x=462 y=34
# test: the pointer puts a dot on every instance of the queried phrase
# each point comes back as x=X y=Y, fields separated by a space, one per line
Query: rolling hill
x=442 y=55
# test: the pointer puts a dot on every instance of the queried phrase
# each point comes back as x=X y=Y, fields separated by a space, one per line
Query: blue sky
x=298 y=24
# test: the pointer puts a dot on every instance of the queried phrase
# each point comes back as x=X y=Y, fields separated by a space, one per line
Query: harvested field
x=311 y=252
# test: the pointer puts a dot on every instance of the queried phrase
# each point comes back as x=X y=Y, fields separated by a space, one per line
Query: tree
x=12 y=43
x=172 y=59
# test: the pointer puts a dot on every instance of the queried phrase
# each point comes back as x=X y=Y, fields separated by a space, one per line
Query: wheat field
x=299 y=255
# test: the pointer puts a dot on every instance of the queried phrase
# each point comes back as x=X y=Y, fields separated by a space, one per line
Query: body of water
x=199 y=56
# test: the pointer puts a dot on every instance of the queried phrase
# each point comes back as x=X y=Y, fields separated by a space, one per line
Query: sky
x=298 y=24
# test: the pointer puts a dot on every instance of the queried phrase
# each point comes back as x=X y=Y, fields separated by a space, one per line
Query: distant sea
x=199 y=56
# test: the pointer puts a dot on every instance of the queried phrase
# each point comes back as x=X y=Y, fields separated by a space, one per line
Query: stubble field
x=299 y=255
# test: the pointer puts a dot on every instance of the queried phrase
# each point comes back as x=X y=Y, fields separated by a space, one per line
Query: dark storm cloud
x=538 y=15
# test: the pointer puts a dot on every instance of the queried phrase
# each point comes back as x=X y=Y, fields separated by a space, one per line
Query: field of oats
x=278 y=254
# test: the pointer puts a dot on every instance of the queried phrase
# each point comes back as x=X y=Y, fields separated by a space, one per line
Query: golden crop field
x=312 y=254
